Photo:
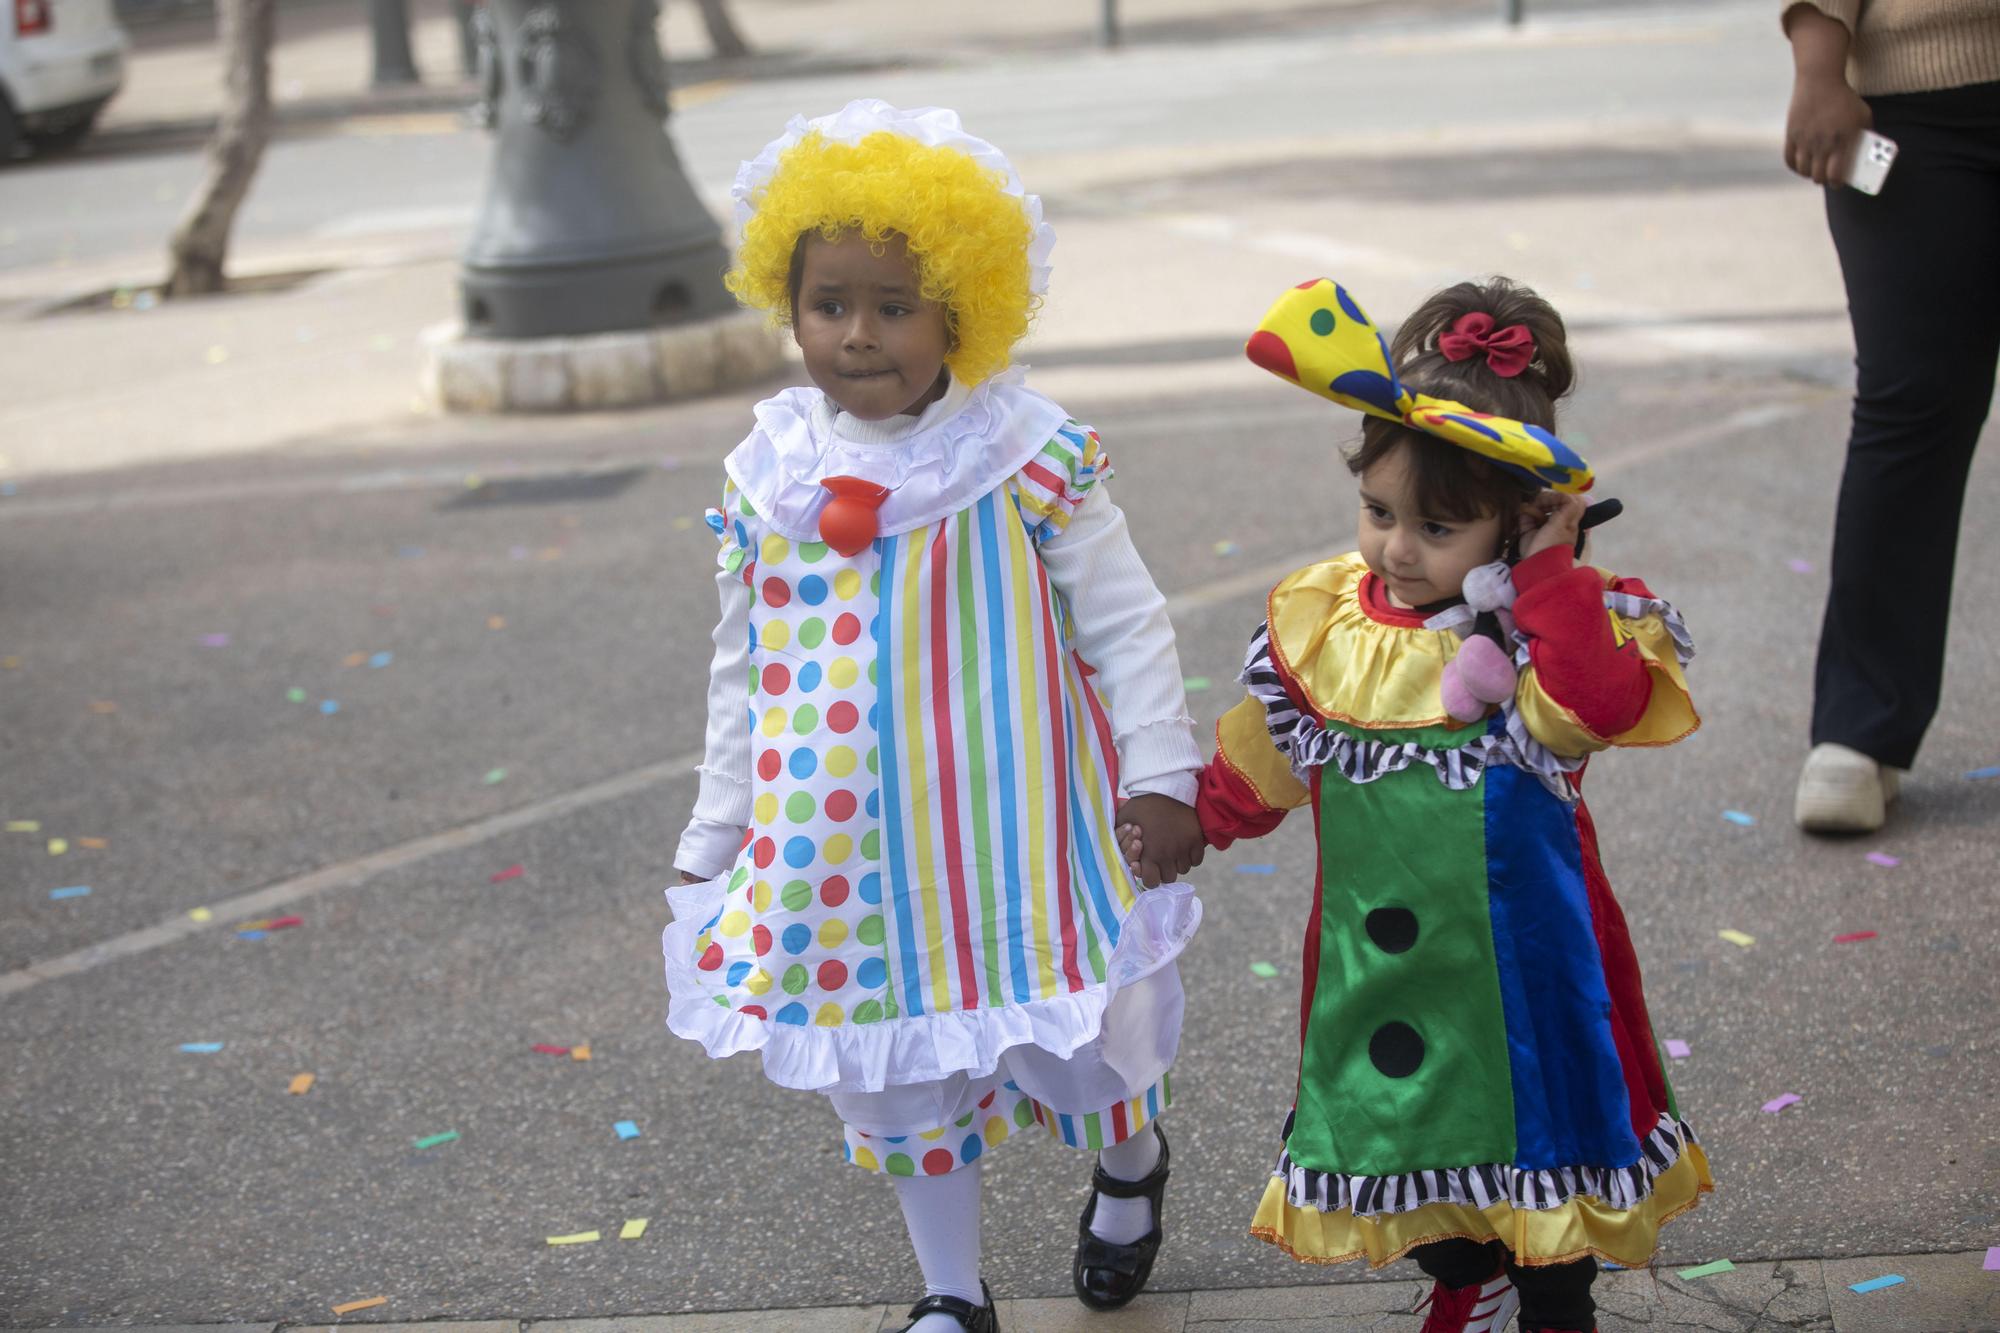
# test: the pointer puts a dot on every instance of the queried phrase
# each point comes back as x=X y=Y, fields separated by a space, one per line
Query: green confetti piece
x=1196 y=684
x=296 y=695
x=494 y=775
x=449 y=1136
x=1705 y=1270
x=1264 y=970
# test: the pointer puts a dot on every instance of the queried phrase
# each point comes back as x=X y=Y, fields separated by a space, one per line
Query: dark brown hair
x=1450 y=482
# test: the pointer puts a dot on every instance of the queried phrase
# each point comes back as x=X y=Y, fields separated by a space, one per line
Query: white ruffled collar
x=941 y=466
x=889 y=434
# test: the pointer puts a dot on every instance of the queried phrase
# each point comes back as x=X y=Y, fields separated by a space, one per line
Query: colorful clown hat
x=1319 y=338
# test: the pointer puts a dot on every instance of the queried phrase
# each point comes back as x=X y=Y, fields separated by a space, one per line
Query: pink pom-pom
x=1484 y=670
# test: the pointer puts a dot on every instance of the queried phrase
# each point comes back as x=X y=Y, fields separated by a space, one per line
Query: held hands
x=1159 y=838
x=1826 y=114
x=1550 y=519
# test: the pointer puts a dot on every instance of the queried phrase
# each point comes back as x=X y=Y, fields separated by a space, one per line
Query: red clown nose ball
x=848 y=523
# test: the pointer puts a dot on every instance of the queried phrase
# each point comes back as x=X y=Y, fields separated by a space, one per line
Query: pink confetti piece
x=1677 y=1049
x=1993 y=1258
x=215 y=640
x=1884 y=859
x=1780 y=1102
x=543 y=1048
x=511 y=872
x=1799 y=566
x=1854 y=937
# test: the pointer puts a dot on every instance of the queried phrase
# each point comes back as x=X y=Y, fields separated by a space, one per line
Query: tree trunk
x=201 y=242
x=722 y=34
x=395 y=62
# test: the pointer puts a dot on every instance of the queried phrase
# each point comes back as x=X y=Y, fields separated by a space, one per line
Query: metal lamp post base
x=464 y=372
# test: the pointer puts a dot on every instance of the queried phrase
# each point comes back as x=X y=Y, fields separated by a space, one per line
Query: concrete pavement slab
x=1938 y=1291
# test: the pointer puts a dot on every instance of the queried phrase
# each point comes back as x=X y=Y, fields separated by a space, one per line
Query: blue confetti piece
x=330 y=707
x=250 y=934
x=410 y=552
x=73 y=891
x=211 y=1047
x=1874 y=1284
x=381 y=659
x=8 y=488
x=1738 y=817
x=626 y=1129
x=1257 y=869
x=1979 y=774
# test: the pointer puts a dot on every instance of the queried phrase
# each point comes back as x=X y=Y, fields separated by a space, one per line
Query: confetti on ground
x=410 y=552
x=354 y=659
x=449 y=1136
x=329 y=706
x=350 y=1307
x=1980 y=774
x=200 y=1047
x=200 y=914
x=580 y=1052
x=1780 y=1102
x=1196 y=684
x=517 y=553
x=1854 y=937
x=1739 y=818
x=58 y=846
x=1257 y=868
x=300 y=1085
x=580 y=1238
x=1263 y=970
x=103 y=707
x=1799 y=566
x=10 y=663
x=496 y=622
x=1227 y=548
x=1738 y=938
x=1993 y=1258
x=549 y=553
x=380 y=660
x=1875 y=1283
x=626 y=1129
x=217 y=355
x=511 y=872
x=94 y=844
x=543 y=1048
x=24 y=826
x=494 y=775
x=1705 y=1270
x=296 y=695
x=1884 y=859
x=633 y=1229
x=1677 y=1049
x=259 y=928
x=73 y=891
x=215 y=640
x=250 y=934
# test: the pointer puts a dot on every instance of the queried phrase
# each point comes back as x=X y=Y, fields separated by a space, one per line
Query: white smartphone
x=1873 y=156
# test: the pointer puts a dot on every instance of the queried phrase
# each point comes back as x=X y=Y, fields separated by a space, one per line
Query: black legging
x=1922 y=264
x=1553 y=1296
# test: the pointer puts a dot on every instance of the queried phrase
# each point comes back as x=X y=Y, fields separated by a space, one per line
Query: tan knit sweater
x=1916 y=46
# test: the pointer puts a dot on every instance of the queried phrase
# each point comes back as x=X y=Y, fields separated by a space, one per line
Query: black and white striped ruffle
x=1308 y=744
x=1629 y=607
x=1619 y=1187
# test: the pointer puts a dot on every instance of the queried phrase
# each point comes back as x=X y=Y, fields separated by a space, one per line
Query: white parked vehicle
x=60 y=62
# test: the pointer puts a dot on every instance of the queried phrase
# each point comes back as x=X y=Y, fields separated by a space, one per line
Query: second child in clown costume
x=942 y=676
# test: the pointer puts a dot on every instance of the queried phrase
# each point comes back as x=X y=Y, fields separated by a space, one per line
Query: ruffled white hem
x=933 y=473
x=921 y=1049
x=934 y=127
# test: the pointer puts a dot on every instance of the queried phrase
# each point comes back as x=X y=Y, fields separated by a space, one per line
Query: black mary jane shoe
x=972 y=1318
x=1107 y=1275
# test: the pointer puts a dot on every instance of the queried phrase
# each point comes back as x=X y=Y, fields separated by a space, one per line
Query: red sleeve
x=1580 y=665
x=1229 y=807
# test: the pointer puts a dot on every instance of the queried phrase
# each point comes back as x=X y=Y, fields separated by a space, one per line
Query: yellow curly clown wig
x=968 y=236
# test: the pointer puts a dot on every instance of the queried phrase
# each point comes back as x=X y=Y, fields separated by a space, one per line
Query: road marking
x=349 y=874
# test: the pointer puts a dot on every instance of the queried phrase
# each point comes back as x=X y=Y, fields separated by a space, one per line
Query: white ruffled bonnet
x=932 y=126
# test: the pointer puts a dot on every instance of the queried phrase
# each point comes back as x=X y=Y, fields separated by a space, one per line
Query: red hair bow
x=1508 y=351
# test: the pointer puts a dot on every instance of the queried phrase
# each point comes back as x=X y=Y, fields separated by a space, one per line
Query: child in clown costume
x=901 y=885
x=1479 y=1085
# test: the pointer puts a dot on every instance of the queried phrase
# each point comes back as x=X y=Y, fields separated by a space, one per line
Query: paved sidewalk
x=1939 y=1293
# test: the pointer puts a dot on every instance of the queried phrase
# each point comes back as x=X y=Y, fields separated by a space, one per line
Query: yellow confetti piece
x=1737 y=938
x=201 y=914
x=57 y=846
x=354 y=659
x=24 y=826
x=550 y=553
x=580 y=1238
x=10 y=663
x=103 y=707
x=633 y=1229
x=216 y=356
x=569 y=520
x=350 y=1307
x=301 y=1084
x=496 y=622
x=95 y=844
x=580 y=1052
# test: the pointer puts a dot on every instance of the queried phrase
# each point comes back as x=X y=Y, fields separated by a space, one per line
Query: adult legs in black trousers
x=1922 y=266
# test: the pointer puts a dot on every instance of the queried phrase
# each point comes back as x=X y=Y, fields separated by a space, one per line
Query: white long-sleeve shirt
x=1122 y=631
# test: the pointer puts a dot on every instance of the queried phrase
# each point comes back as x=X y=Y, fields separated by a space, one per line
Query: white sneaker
x=1842 y=790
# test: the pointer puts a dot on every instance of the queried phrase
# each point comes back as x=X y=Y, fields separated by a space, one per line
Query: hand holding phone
x=1869 y=168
